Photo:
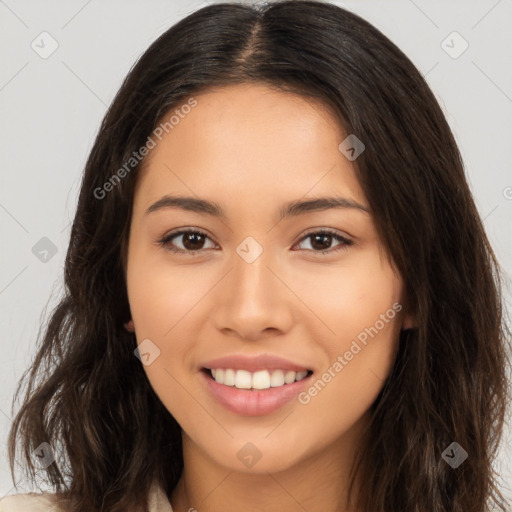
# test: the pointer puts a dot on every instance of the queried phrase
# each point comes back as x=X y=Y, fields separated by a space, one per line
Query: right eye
x=192 y=241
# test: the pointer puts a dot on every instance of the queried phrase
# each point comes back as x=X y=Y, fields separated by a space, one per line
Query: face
x=298 y=315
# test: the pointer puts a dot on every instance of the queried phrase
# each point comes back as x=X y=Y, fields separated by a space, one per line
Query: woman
x=279 y=293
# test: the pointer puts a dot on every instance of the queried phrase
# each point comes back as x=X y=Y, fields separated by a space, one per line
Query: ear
x=129 y=326
x=409 y=322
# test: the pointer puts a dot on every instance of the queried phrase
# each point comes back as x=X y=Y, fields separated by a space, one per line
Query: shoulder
x=50 y=502
x=33 y=502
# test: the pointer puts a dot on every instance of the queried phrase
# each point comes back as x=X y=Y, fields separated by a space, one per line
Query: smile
x=262 y=379
x=245 y=398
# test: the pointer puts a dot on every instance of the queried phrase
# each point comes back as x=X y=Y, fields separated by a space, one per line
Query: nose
x=253 y=300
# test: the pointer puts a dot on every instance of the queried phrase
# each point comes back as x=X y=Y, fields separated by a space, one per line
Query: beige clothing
x=34 y=502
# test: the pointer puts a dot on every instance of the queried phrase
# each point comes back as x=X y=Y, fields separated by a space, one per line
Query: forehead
x=251 y=140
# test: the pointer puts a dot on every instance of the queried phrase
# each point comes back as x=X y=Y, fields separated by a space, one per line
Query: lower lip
x=254 y=402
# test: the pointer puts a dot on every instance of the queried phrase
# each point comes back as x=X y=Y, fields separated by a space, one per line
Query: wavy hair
x=89 y=397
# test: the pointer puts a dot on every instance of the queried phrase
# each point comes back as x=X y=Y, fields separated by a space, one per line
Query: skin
x=251 y=149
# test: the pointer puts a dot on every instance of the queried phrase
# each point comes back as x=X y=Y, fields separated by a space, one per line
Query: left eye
x=193 y=241
x=321 y=240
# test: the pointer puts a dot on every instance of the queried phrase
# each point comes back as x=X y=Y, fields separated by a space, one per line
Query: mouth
x=256 y=393
x=258 y=380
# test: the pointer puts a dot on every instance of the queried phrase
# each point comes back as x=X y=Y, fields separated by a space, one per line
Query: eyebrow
x=291 y=209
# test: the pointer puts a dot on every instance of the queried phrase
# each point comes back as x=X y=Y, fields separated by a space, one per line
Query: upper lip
x=254 y=363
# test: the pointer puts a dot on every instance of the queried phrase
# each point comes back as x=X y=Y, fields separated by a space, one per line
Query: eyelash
x=345 y=242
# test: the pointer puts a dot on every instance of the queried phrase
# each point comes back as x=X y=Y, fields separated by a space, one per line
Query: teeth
x=289 y=377
x=243 y=379
x=277 y=378
x=229 y=377
x=219 y=376
x=262 y=379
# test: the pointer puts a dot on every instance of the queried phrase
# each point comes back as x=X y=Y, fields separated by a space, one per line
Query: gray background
x=51 y=109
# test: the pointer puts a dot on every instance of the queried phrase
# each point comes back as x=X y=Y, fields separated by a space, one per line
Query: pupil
x=190 y=238
x=325 y=245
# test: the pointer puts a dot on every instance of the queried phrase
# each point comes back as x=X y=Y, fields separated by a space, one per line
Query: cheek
x=359 y=306
x=162 y=295
x=349 y=298
x=162 y=299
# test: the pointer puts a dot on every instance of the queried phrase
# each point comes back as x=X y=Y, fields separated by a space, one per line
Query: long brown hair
x=88 y=395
